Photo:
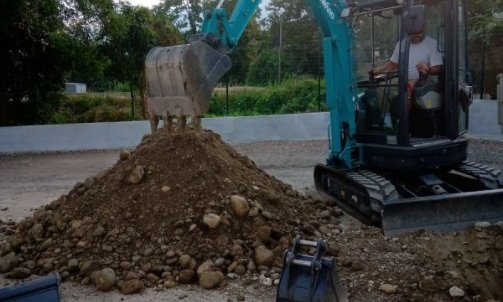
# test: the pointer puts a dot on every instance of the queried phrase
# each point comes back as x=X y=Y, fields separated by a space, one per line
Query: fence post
x=500 y=100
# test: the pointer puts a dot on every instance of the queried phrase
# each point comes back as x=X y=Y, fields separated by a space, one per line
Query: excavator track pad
x=443 y=200
x=180 y=81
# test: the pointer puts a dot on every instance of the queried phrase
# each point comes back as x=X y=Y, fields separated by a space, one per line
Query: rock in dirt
x=18 y=273
x=263 y=256
x=104 y=279
x=124 y=155
x=132 y=287
x=456 y=292
x=186 y=276
x=87 y=267
x=212 y=220
x=239 y=206
x=207 y=265
x=8 y=262
x=210 y=279
x=388 y=288
x=136 y=175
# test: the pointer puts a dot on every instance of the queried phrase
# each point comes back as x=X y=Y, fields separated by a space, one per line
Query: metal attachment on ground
x=42 y=289
x=308 y=277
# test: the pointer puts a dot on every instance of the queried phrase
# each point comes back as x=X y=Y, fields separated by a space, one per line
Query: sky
x=151 y=3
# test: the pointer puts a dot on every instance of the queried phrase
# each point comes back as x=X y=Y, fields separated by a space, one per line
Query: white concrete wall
x=308 y=126
x=74 y=137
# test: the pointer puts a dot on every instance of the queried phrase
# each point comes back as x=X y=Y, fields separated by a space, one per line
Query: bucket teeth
x=174 y=123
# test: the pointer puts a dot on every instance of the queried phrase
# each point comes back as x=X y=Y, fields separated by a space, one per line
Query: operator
x=424 y=58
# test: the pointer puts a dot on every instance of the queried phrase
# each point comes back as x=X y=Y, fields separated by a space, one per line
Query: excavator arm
x=180 y=79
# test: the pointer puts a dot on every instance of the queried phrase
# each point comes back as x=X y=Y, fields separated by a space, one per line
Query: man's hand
x=423 y=68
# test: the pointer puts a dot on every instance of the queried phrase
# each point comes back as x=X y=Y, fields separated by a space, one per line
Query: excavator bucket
x=180 y=79
x=309 y=277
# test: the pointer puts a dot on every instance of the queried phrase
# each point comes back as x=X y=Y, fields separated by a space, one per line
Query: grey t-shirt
x=426 y=51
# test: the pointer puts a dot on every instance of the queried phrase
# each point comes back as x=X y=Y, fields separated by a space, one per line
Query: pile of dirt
x=422 y=266
x=180 y=204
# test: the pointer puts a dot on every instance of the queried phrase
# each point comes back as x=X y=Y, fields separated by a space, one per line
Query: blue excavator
x=397 y=153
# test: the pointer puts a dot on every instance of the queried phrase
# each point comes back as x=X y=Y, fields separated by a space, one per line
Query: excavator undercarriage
x=450 y=199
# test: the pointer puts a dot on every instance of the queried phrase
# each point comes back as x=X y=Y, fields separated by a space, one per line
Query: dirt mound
x=164 y=209
x=422 y=266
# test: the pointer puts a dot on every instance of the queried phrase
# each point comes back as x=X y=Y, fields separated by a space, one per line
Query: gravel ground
x=32 y=180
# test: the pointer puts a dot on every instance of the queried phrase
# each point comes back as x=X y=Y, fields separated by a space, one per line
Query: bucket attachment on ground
x=45 y=289
x=180 y=80
x=308 y=277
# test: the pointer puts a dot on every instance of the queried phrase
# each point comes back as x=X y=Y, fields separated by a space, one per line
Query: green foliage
x=292 y=96
x=34 y=56
x=264 y=68
x=91 y=108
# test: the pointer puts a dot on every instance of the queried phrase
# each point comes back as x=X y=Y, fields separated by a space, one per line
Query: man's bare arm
x=390 y=66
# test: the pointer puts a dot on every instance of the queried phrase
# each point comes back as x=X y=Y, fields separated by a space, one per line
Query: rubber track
x=491 y=177
x=379 y=189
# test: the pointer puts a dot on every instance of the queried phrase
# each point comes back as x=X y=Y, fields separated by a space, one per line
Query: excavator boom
x=386 y=175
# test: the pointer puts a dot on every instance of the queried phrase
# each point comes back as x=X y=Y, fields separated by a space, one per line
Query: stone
x=169 y=284
x=37 y=232
x=263 y=256
x=264 y=280
x=152 y=278
x=132 y=286
x=237 y=250
x=212 y=220
x=8 y=262
x=99 y=231
x=251 y=266
x=136 y=175
x=239 y=206
x=427 y=285
x=73 y=265
x=186 y=276
x=210 y=279
x=456 y=292
x=187 y=262
x=104 y=279
x=219 y=262
x=18 y=273
x=482 y=225
x=388 y=288
x=207 y=265
x=124 y=155
x=165 y=189
x=263 y=233
x=240 y=269
x=87 y=267
x=131 y=276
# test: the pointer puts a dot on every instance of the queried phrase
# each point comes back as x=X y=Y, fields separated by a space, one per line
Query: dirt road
x=29 y=181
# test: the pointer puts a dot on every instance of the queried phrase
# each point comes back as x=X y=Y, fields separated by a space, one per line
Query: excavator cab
x=410 y=170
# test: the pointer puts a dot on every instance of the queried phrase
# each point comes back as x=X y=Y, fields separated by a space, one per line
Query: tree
x=292 y=24
x=187 y=15
x=34 y=56
x=485 y=20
